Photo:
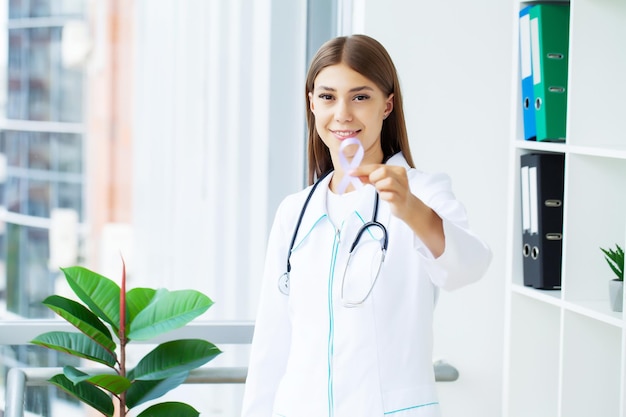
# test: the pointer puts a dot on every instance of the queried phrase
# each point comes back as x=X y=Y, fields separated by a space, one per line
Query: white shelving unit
x=565 y=350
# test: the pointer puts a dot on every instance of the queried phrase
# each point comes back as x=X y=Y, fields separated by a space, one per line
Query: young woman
x=354 y=262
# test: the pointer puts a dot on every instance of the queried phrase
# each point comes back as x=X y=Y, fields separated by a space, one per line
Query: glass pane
x=69 y=100
x=68 y=153
x=40 y=86
x=3 y=272
x=38 y=198
x=16 y=74
x=45 y=8
x=30 y=191
x=12 y=142
x=29 y=280
x=61 y=152
x=38 y=151
x=13 y=197
x=70 y=196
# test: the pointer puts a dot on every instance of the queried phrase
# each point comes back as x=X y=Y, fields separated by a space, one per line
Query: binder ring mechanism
x=533 y=251
x=530 y=251
x=551 y=89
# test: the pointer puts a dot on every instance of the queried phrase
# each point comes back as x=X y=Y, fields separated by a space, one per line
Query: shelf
x=540 y=146
x=598 y=310
x=594 y=309
x=614 y=152
x=547 y=296
x=566 y=349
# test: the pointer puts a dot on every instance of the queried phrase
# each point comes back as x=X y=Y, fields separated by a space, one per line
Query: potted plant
x=615 y=259
x=108 y=321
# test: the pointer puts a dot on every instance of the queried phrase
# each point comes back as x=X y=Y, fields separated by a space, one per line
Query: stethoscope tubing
x=283 y=281
x=299 y=222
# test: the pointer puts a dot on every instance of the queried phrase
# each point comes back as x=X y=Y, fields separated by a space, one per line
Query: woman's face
x=348 y=105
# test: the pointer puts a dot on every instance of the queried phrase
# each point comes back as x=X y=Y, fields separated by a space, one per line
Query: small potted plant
x=615 y=259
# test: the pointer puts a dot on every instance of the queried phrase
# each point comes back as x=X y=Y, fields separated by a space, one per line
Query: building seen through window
x=42 y=175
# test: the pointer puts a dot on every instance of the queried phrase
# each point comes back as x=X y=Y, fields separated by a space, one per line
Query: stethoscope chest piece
x=283 y=283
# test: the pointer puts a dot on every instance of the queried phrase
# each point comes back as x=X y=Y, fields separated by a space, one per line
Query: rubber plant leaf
x=170 y=409
x=83 y=319
x=173 y=357
x=136 y=300
x=100 y=294
x=168 y=310
x=88 y=394
x=76 y=344
x=111 y=382
x=142 y=391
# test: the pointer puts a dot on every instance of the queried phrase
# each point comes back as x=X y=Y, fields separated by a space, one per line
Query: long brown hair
x=369 y=58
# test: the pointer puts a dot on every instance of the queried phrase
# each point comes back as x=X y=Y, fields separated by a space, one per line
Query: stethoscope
x=283 y=281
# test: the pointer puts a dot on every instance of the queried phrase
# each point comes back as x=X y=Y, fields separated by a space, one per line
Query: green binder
x=549 y=27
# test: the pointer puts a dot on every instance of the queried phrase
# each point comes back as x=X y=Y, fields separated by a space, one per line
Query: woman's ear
x=389 y=105
x=311 y=101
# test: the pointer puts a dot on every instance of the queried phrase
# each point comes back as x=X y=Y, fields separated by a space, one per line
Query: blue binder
x=526 y=74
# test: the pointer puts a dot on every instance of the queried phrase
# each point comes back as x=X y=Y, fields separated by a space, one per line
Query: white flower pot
x=616 y=294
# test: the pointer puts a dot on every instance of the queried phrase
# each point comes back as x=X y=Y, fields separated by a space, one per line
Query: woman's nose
x=342 y=112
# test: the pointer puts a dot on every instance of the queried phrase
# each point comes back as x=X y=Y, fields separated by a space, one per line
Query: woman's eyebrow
x=352 y=90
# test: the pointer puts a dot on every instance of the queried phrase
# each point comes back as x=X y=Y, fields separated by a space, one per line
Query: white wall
x=454 y=61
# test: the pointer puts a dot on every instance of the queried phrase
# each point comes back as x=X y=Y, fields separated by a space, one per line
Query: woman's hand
x=392 y=184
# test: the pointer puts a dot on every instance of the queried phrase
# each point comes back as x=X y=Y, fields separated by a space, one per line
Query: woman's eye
x=325 y=96
x=361 y=97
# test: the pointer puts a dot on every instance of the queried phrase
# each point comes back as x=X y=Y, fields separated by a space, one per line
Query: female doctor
x=354 y=261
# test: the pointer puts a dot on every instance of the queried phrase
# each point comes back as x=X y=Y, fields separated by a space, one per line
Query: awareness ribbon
x=349 y=166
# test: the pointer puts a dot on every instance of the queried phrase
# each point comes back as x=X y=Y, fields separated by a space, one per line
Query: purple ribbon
x=349 y=166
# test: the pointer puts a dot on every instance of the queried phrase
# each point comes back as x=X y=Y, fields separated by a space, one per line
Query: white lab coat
x=312 y=356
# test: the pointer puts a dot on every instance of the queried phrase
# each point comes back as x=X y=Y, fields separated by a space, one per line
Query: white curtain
x=219 y=141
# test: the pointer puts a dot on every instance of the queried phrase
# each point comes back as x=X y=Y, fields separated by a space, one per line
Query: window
x=167 y=131
x=42 y=164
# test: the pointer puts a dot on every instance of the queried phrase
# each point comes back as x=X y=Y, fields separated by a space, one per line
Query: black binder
x=542 y=179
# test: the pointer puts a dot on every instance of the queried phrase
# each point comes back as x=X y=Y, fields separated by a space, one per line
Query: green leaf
x=168 y=311
x=111 y=382
x=88 y=394
x=136 y=300
x=615 y=260
x=173 y=357
x=170 y=409
x=142 y=391
x=99 y=293
x=76 y=344
x=83 y=319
